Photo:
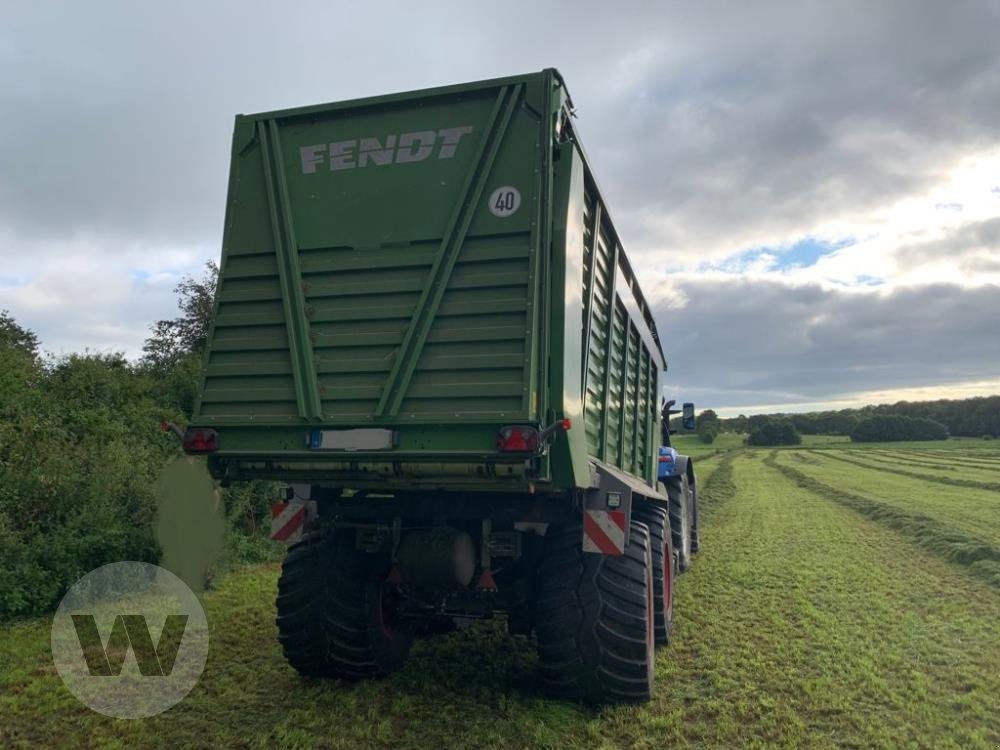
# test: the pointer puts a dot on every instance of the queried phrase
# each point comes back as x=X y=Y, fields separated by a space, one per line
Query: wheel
x=301 y=601
x=594 y=618
x=337 y=614
x=695 y=525
x=680 y=519
x=662 y=545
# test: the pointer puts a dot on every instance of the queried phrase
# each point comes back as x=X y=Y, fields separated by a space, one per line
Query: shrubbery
x=894 y=427
x=81 y=453
x=773 y=432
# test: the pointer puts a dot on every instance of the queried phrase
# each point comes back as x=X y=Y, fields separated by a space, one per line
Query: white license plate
x=361 y=439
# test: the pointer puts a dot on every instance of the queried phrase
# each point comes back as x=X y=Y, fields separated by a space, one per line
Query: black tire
x=336 y=615
x=301 y=602
x=662 y=545
x=594 y=618
x=680 y=519
x=695 y=524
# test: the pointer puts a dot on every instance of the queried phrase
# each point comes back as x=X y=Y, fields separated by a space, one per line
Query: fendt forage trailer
x=427 y=328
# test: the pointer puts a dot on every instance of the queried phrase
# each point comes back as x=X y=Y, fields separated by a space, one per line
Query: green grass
x=825 y=610
x=945 y=460
x=837 y=441
x=962 y=480
x=973 y=511
x=691 y=445
x=949 y=469
x=934 y=531
x=953 y=446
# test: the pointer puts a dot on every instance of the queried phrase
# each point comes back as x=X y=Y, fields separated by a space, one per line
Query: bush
x=884 y=428
x=80 y=453
x=774 y=432
x=708 y=426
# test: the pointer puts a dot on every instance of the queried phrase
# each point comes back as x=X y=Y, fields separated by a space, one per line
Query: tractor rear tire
x=336 y=612
x=662 y=544
x=594 y=618
x=680 y=518
x=301 y=601
x=696 y=523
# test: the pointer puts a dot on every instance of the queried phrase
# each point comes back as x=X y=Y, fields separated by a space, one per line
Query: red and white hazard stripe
x=287 y=521
x=604 y=531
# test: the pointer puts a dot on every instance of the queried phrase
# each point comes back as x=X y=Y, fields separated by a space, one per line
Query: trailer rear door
x=382 y=261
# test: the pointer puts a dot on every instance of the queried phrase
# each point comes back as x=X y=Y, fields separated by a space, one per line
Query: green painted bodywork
x=365 y=282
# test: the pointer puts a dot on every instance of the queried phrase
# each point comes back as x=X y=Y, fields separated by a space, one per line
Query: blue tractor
x=676 y=474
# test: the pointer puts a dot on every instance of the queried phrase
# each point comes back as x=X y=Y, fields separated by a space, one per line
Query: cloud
x=804 y=116
x=948 y=233
x=974 y=247
x=797 y=153
x=743 y=343
x=90 y=292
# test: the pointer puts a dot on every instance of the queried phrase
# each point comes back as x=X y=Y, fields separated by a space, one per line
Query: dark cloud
x=707 y=121
x=712 y=126
x=806 y=114
x=974 y=247
x=741 y=343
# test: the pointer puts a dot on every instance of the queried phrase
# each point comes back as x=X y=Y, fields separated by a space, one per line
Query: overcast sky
x=810 y=189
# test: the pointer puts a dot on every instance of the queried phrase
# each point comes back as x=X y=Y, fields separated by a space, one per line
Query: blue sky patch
x=804 y=253
x=14 y=280
x=866 y=280
x=807 y=252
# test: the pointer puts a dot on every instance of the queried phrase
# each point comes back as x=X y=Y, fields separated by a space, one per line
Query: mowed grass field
x=846 y=596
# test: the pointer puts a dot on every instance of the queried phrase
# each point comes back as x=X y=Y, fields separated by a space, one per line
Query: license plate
x=361 y=439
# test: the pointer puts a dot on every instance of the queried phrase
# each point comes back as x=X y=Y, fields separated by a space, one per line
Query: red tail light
x=200 y=440
x=518 y=439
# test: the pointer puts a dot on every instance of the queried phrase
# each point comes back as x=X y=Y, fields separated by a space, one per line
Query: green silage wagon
x=426 y=327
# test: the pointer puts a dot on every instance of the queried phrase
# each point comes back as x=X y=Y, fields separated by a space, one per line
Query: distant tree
x=14 y=336
x=774 y=431
x=172 y=340
x=708 y=426
x=894 y=427
x=738 y=424
x=20 y=371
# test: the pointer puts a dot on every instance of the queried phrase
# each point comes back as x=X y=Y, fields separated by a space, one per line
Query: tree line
x=970 y=417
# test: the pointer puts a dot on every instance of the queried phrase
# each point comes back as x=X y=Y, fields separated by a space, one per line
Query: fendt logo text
x=130 y=640
x=404 y=148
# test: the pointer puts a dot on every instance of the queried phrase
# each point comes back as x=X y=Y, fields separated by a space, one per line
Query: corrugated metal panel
x=388 y=293
x=596 y=350
x=619 y=370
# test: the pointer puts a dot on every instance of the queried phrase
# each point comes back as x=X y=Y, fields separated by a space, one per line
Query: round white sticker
x=504 y=201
